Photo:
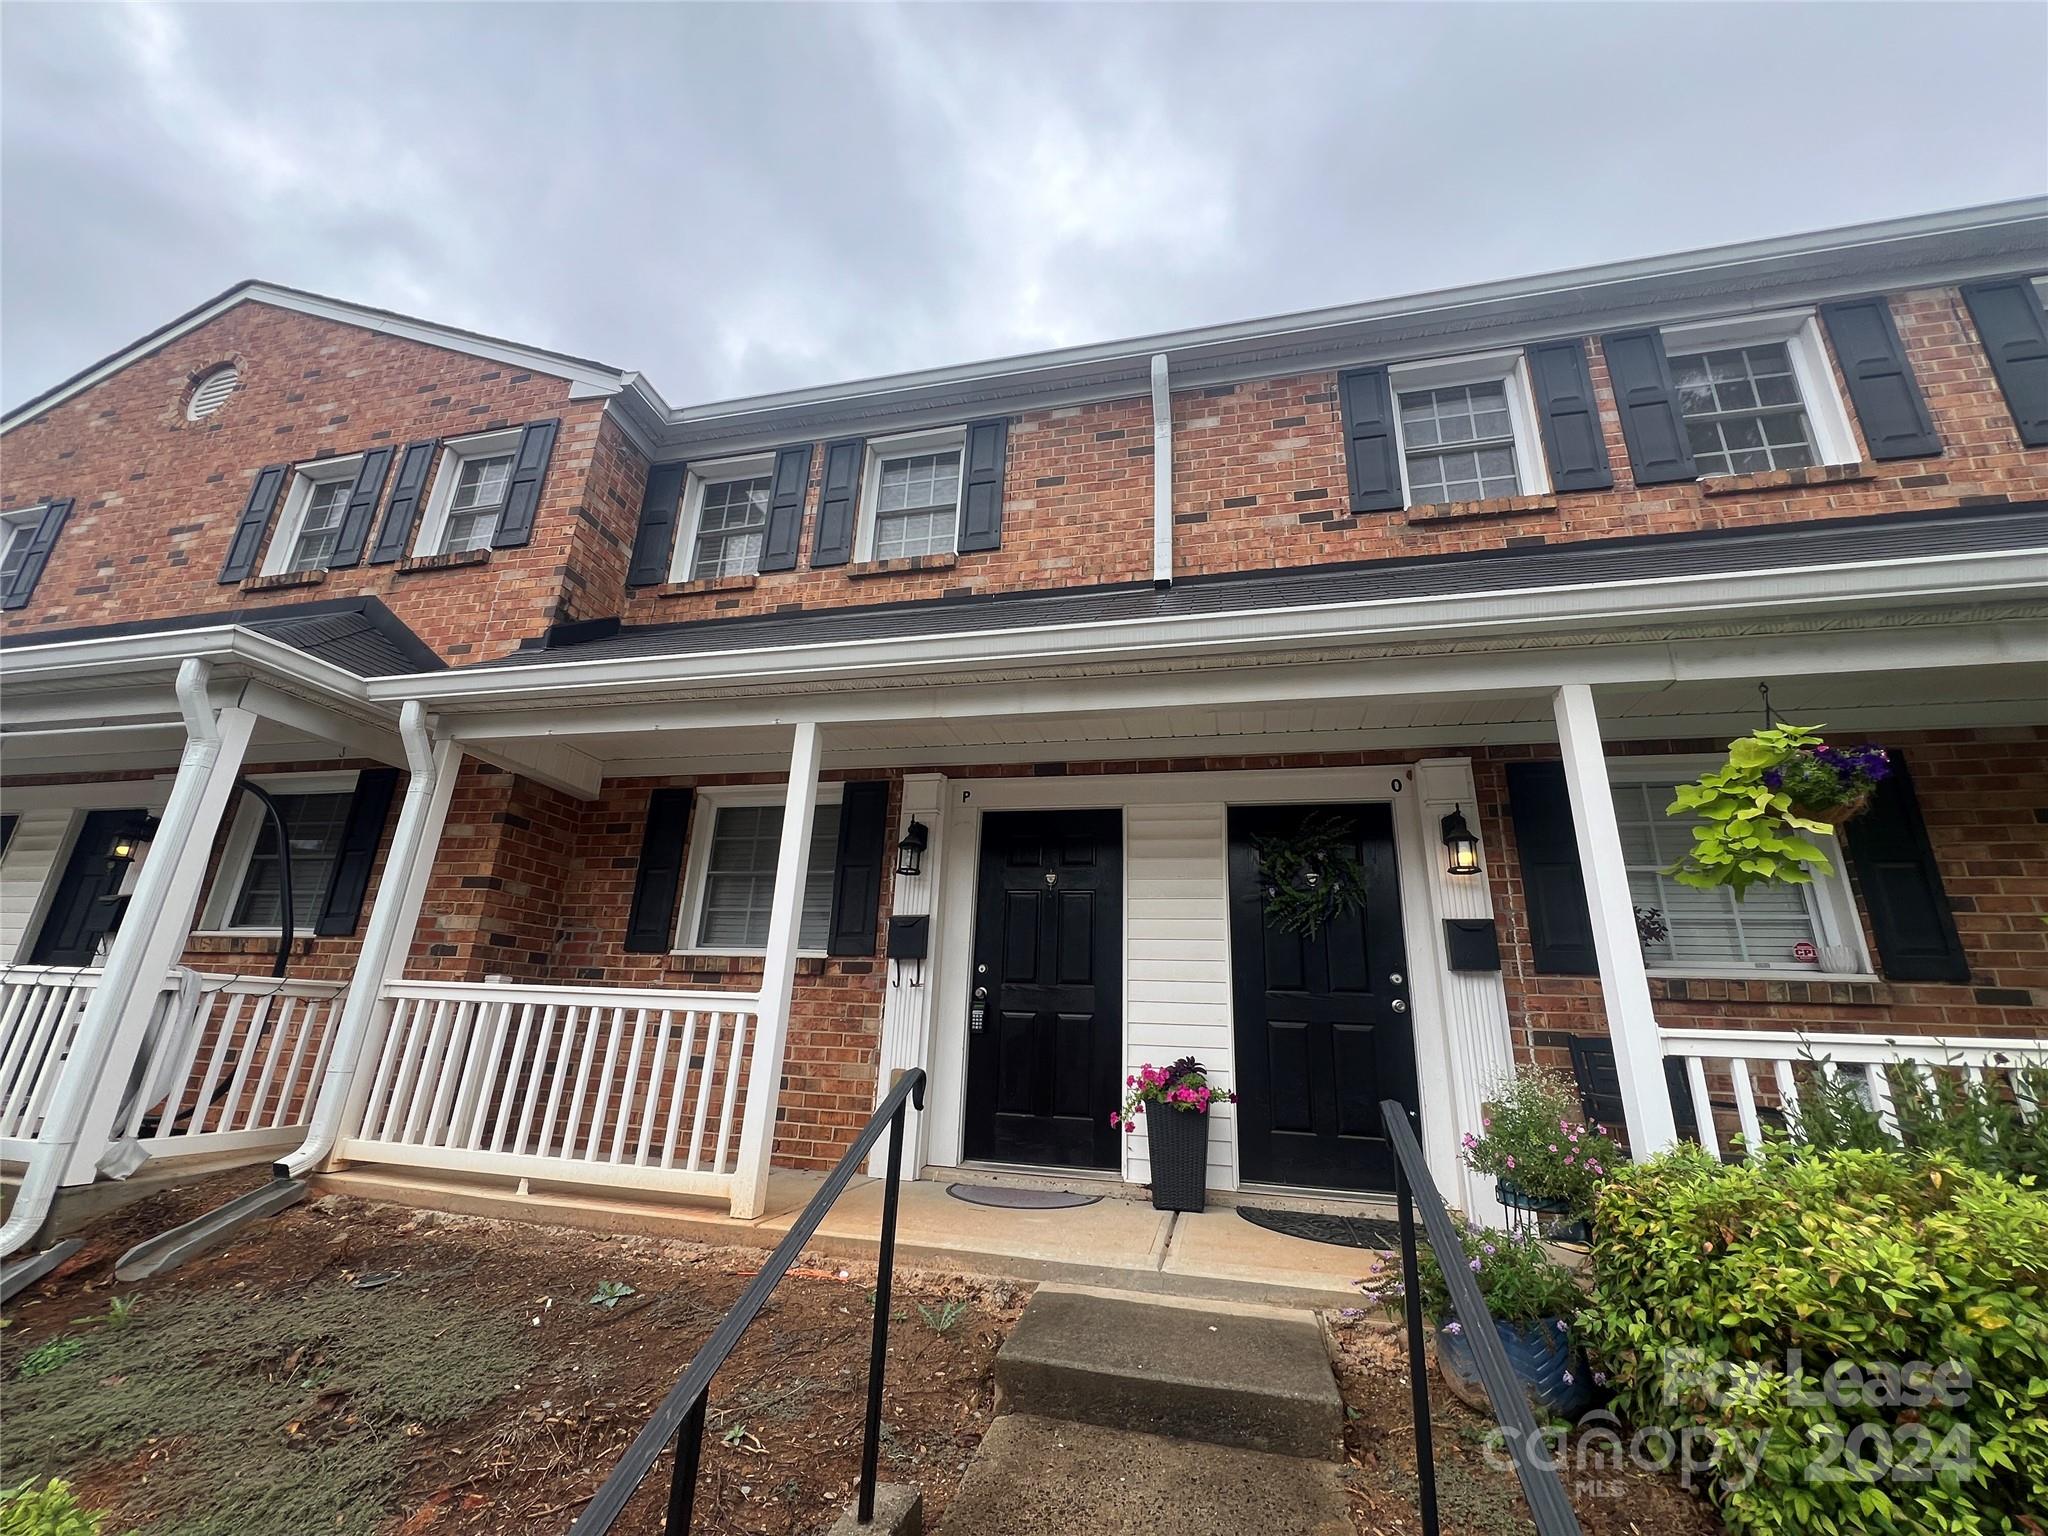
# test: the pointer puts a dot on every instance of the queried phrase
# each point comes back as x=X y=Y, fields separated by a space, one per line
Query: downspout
x=1162 y=475
x=387 y=917
x=64 y=1121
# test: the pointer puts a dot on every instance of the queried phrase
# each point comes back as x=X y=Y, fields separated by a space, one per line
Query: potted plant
x=1751 y=815
x=1175 y=1102
x=1542 y=1154
x=1531 y=1299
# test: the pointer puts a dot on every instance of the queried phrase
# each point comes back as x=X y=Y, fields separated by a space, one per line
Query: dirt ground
x=373 y=1371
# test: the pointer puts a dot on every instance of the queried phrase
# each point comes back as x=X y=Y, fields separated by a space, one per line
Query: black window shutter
x=403 y=510
x=1902 y=891
x=254 y=523
x=522 y=491
x=1658 y=449
x=981 y=486
x=857 y=871
x=2015 y=334
x=654 y=545
x=1572 y=440
x=838 y=501
x=786 y=508
x=362 y=506
x=1372 y=454
x=342 y=908
x=1881 y=384
x=651 y=923
x=1560 y=926
x=40 y=542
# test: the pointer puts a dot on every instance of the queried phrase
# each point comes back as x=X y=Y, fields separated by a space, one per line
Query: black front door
x=85 y=908
x=1322 y=1028
x=1045 y=1020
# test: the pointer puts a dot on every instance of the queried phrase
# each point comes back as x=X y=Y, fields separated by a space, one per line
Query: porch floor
x=1124 y=1244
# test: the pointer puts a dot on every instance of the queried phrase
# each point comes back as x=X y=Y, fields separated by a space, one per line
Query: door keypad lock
x=977 y=1015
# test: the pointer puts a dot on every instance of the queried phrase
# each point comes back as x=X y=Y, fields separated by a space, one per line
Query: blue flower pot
x=1541 y=1356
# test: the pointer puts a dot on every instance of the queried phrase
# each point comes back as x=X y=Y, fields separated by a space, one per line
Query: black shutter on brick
x=1902 y=890
x=1881 y=383
x=857 y=871
x=981 y=486
x=522 y=491
x=247 y=540
x=1372 y=454
x=1560 y=926
x=40 y=542
x=1572 y=440
x=403 y=510
x=785 y=529
x=655 y=543
x=2015 y=334
x=342 y=907
x=838 y=501
x=362 y=507
x=1658 y=450
x=651 y=923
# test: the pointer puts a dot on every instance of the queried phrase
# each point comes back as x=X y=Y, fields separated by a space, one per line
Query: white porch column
x=778 y=979
x=907 y=999
x=1624 y=985
x=387 y=936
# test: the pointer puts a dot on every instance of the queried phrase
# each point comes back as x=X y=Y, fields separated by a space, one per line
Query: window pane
x=1460 y=443
x=917 y=500
x=14 y=539
x=732 y=516
x=1734 y=403
x=482 y=482
x=320 y=528
x=739 y=878
x=313 y=826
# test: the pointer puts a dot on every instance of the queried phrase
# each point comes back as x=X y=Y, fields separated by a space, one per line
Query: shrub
x=50 y=1510
x=1978 y=1123
x=1733 y=1301
x=1537 y=1141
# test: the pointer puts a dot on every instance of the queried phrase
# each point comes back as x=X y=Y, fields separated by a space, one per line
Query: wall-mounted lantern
x=1461 y=845
x=910 y=851
x=128 y=841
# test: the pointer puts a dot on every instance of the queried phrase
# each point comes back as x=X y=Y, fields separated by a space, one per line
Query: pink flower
x=1511 y=1162
x=1116 y=1120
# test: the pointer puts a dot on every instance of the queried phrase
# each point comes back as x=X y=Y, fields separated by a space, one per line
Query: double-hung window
x=248 y=889
x=1756 y=394
x=468 y=494
x=1467 y=431
x=726 y=513
x=731 y=887
x=313 y=513
x=912 y=496
x=16 y=529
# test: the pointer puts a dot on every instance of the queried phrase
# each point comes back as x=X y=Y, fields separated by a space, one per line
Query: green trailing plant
x=1755 y=817
x=1537 y=1142
x=1858 y=1338
x=1517 y=1278
x=49 y=1510
x=1312 y=877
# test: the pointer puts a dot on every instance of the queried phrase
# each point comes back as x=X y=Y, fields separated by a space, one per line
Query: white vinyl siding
x=26 y=868
x=1177 y=954
x=732 y=908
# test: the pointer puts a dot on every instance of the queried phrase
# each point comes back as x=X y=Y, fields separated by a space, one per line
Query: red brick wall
x=157 y=496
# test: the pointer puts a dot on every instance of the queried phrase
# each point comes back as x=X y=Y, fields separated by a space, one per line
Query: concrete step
x=1257 y=1378
x=1049 y=1477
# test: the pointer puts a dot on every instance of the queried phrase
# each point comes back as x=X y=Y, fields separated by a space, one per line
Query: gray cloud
x=744 y=198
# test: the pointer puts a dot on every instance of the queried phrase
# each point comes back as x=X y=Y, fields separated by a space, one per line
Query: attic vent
x=212 y=391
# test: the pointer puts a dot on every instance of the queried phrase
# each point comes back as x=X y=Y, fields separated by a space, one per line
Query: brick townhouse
x=432 y=753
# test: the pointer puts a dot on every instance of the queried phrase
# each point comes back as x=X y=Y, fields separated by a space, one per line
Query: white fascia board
x=126 y=655
x=1973 y=576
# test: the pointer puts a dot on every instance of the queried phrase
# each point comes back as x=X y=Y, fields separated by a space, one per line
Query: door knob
x=1398 y=1006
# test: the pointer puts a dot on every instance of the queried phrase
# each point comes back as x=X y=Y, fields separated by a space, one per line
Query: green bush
x=1727 y=1297
x=50 y=1510
x=1976 y=1122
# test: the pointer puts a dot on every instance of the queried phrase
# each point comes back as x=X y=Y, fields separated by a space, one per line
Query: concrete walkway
x=1123 y=1244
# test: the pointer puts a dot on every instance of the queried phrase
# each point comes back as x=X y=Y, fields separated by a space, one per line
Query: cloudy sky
x=736 y=199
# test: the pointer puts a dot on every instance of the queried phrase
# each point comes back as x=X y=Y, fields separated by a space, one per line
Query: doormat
x=1018 y=1199
x=1320 y=1227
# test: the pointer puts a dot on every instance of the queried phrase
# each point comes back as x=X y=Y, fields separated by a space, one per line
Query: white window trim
x=1830 y=897
x=703 y=811
x=277 y=558
x=1833 y=439
x=484 y=445
x=20 y=523
x=701 y=476
x=1532 y=469
x=941 y=440
x=241 y=846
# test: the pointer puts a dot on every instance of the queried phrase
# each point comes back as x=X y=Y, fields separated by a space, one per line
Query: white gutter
x=1162 y=474
x=121 y=655
x=387 y=935
x=64 y=1119
x=1972 y=576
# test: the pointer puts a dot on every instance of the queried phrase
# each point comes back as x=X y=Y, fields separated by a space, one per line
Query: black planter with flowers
x=1174 y=1102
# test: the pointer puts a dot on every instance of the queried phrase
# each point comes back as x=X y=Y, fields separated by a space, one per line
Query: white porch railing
x=230 y=1063
x=1741 y=1053
x=640 y=1088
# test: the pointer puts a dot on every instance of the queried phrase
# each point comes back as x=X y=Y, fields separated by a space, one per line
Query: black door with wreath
x=1323 y=1032
x=1045 y=1021
x=85 y=908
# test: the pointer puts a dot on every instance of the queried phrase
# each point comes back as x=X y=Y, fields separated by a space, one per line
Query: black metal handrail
x=1541 y=1485
x=681 y=1414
